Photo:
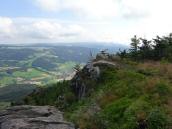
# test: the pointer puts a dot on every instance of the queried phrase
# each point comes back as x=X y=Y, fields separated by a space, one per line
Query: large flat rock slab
x=33 y=117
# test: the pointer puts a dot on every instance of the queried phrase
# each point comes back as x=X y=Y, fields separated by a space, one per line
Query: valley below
x=24 y=68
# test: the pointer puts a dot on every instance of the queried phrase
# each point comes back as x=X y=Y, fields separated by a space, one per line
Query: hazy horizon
x=67 y=43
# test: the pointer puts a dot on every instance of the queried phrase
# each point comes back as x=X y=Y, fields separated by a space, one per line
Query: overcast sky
x=49 y=21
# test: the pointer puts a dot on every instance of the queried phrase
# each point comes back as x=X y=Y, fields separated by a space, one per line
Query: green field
x=7 y=80
x=67 y=66
x=29 y=74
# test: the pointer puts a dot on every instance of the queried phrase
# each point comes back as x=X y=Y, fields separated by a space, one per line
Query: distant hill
x=98 y=45
x=15 y=92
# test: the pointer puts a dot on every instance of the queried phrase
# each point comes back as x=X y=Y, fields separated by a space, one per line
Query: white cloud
x=6 y=27
x=93 y=8
x=89 y=8
x=97 y=8
x=40 y=30
x=108 y=8
x=5 y=24
x=97 y=20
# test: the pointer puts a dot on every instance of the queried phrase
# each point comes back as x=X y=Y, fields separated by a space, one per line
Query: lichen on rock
x=33 y=117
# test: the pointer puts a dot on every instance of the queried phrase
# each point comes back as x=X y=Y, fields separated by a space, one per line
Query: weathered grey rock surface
x=33 y=117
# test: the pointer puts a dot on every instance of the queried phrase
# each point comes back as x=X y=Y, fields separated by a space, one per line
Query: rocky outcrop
x=33 y=117
x=83 y=79
x=82 y=82
x=104 y=63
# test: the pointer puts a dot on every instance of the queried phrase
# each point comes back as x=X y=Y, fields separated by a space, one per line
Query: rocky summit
x=33 y=117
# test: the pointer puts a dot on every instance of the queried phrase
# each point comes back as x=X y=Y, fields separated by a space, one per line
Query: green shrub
x=162 y=88
x=137 y=111
x=113 y=113
x=157 y=119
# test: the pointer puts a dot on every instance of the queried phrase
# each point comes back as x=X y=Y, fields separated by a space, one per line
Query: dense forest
x=160 y=48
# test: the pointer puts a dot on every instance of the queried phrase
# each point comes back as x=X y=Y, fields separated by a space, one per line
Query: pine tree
x=146 y=49
x=134 y=44
x=134 y=47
